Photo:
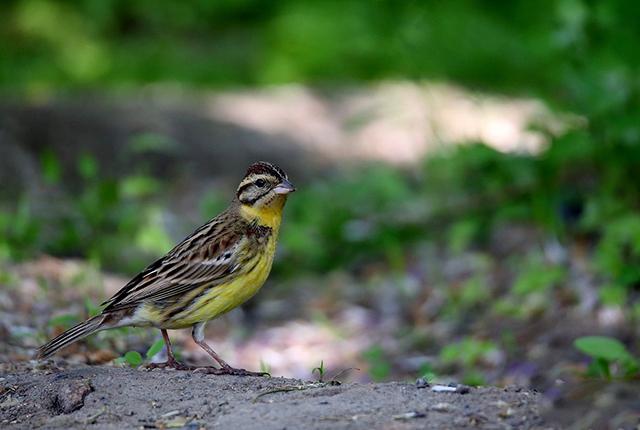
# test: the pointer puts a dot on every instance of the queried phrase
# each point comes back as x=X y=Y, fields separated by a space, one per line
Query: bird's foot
x=169 y=364
x=228 y=370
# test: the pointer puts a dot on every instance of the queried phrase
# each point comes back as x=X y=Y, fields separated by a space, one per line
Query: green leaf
x=133 y=358
x=631 y=368
x=155 y=348
x=599 y=368
x=603 y=347
x=320 y=369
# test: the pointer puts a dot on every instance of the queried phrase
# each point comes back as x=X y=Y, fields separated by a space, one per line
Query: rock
x=443 y=389
x=70 y=396
x=441 y=407
x=463 y=389
x=410 y=415
x=422 y=383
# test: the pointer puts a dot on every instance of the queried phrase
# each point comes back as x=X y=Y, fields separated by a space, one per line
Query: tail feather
x=75 y=333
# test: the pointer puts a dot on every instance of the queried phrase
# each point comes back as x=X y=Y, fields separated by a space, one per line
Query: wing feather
x=210 y=256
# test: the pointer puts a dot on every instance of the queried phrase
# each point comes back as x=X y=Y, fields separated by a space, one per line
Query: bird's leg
x=198 y=337
x=171 y=359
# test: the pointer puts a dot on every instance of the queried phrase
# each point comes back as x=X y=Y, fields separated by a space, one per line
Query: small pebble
x=463 y=389
x=443 y=389
x=457 y=388
x=506 y=413
x=476 y=418
x=441 y=407
x=410 y=415
x=422 y=383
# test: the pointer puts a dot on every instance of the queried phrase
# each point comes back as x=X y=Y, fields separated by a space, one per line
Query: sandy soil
x=98 y=397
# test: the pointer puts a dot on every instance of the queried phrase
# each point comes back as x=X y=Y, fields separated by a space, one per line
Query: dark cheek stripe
x=242 y=188
x=251 y=201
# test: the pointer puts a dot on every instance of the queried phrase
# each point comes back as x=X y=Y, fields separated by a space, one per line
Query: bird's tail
x=75 y=333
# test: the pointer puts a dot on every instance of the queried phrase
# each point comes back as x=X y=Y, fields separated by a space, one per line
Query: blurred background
x=468 y=204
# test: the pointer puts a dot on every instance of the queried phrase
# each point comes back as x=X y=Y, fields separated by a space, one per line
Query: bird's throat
x=267 y=216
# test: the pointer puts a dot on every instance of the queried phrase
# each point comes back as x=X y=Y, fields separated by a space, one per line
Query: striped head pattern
x=263 y=185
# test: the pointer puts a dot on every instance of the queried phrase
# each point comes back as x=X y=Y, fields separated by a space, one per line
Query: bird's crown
x=263 y=167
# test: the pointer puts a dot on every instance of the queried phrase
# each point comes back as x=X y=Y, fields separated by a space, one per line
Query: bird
x=218 y=267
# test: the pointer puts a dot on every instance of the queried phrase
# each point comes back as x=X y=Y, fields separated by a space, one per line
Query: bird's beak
x=284 y=187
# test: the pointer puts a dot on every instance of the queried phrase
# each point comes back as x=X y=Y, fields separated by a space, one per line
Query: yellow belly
x=221 y=298
x=226 y=297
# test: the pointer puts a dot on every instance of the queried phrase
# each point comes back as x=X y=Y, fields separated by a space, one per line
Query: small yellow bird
x=215 y=269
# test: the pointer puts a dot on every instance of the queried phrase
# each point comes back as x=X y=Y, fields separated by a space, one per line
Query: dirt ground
x=100 y=397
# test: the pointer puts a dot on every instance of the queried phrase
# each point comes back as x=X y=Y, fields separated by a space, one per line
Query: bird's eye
x=260 y=183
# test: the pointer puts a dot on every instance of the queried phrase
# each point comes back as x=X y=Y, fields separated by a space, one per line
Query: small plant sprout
x=323 y=374
x=154 y=349
x=132 y=358
x=610 y=358
x=265 y=367
x=321 y=371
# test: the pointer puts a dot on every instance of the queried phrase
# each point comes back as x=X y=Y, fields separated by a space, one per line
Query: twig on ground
x=287 y=388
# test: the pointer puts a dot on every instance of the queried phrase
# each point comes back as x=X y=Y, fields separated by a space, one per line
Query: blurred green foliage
x=469 y=353
x=379 y=366
x=579 y=56
x=333 y=221
x=112 y=222
x=519 y=45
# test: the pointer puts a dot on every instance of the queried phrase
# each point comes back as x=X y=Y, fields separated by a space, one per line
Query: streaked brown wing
x=207 y=257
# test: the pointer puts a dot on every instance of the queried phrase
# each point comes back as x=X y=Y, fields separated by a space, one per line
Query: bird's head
x=263 y=192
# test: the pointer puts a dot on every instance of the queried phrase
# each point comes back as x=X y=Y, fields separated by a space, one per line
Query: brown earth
x=98 y=397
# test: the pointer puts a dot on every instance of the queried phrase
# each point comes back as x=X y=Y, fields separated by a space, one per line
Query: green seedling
x=321 y=371
x=132 y=358
x=610 y=358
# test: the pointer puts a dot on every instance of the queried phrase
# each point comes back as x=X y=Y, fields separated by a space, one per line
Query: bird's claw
x=228 y=371
x=209 y=370
x=169 y=364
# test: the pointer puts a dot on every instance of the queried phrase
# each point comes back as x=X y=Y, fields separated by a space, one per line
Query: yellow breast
x=206 y=303
x=222 y=298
